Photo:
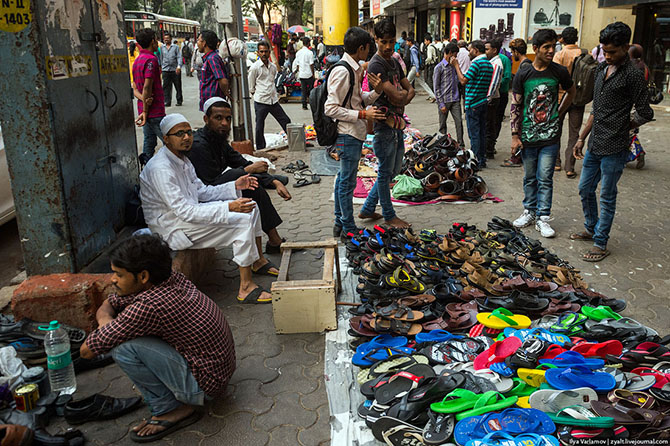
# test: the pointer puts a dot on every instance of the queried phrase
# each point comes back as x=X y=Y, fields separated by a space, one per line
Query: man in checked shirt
x=171 y=340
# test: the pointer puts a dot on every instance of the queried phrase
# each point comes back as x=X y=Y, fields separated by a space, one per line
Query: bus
x=179 y=29
x=252 y=29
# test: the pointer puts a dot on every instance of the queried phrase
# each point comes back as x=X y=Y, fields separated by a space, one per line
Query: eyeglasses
x=181 y=133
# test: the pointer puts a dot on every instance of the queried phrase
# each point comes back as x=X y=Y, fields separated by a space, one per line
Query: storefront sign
x=455 y=25
x=467 y=31
x=375 y=8
x=360 y=17
x=551 y=14
x=496 y=21
x=498 y=3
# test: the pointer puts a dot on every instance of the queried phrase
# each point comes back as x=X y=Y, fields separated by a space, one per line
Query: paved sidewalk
x=277 y=395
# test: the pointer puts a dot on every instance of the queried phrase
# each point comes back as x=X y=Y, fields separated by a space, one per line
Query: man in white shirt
x=304 y=65
x=189 y=215
x=346 y=103
x=320 y=50
x=266 y=100
x=492 y=53
x=463 y=56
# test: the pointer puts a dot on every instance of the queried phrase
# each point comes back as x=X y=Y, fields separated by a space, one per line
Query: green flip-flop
x=600 y=312
x=580 y=416
x=488 y=402
x=569 y=323
x=456 y=401
x=520 y=388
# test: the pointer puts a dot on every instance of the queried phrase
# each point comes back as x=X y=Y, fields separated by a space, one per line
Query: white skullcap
x=169 y=121
x=211 y=101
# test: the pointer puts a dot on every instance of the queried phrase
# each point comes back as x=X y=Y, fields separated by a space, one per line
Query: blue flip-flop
x=573 y=359
x=579 y=376
x=435 y=336
x=536 y=440
x=502 y=369
x=513 y=421
x=383 y=340
x=368 y=357
x=540 y=333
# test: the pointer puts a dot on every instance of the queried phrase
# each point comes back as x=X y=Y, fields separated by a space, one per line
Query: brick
x=244 y=147
x=69 y=298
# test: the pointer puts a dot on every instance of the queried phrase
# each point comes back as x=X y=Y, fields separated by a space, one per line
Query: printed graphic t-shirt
x=539 y=89
x=387 y=70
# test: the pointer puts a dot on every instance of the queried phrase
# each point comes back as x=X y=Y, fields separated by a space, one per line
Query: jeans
x=306 y=85
x=538 y=181
x=262 y=111
x=172 y=78
x=152 y=131
x=575 y=119
x=594 y=169
x=455 y=109
x=491 y=119
x=349 y=150
x=389 y=148
x=476 y=119
x=159 y=373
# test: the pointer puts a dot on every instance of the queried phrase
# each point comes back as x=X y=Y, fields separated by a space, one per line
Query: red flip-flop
x=600 y=349
x=497 y=352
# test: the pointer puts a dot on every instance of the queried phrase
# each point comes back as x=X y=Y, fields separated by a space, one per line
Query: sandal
x=265 y=270
x=170 y=426
x=254 y=297
x=595 y=256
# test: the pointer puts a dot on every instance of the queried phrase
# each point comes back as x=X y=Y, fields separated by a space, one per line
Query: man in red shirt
x=171 y=340
x=213 y=80
x=148 y=90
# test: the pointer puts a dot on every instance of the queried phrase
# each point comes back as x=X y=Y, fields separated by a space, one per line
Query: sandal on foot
x=581 y=236
x=595 y=256
x=265 y=270
x=254 y=297
x=170 y=426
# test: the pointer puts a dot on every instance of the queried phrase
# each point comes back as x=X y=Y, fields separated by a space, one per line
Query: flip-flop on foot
x=265 y=270
x=255 y=297
x=595 y=256
x=170 y=426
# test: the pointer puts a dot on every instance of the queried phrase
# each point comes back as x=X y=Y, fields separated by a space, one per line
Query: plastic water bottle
x=59 y=359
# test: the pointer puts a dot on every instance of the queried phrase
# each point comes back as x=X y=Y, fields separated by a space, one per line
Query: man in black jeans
x=304 y=65
x=171 y=60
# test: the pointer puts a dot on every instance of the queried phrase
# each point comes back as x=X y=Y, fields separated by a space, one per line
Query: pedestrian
x=304 y=66
x=187 y=53
x=447 y=93
x=148 y=90
x=414 y=60
x=566 y=57
x=170 y=339
x=171 y=62
x=619 y=86
x=476 y=81
x=320 y=51
x=196 y=63
x=518 y=48
x=464 y=63
x=291 y=49
x=636 y=54
x=505 y=83
x=535 y=117
x=598 y=53
x=492 y=48
x=432 y=58
x=389 y=145
x=440 y=48
x=347 y=105
x=213 y=77
x=266 y=100
x=400 y=43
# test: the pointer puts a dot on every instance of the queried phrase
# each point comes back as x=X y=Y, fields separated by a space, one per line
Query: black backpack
x=186 y=52
x=584 y=76
x=325 y=126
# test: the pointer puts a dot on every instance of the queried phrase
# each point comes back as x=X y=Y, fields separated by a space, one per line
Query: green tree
x=174 y=8
x=294 y=11
x=308 y=13
x=131 y=5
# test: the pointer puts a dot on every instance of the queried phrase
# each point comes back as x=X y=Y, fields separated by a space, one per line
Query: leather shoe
x=15 y=435
x=99 y=407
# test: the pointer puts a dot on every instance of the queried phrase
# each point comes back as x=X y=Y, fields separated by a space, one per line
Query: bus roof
x=152 y=16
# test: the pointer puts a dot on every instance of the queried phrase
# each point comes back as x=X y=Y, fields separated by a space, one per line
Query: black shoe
x=179 y=104
x=99 y=407
x=168 y=105
x=337 y=231
x=304 y=107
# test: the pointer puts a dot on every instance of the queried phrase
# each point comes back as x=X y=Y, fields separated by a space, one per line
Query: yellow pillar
x=336 y=21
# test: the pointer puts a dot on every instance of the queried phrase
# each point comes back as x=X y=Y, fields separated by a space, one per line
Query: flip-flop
x=502 y=318
x=401 y=383
x=302 y=182
x=581 y=236
x=365 y=357
x=579 y=376
x=497 y=352
x=512 y=421
x=393 y=364
x=553 y=401
x=455 y=401
x=600 y=349
x=169 y=428
x=532 y=377
x=488 y=402
x=540 y=333
x=438 y=429
x=593 y=256
x=581 y=416
x=435 y=336
x=315 y=179
x=599 y=313
x=573 y=359
x=265 y=270
x=630 y=416
x=254 y=297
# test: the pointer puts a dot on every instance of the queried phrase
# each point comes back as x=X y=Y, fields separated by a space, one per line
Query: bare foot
x=398 y=223
x=246 y=289
x=179 y=413
x=373 y=216
x=260 y=263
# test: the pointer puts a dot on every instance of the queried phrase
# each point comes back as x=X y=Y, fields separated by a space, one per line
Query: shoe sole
x=523 y=226
x=545 y=236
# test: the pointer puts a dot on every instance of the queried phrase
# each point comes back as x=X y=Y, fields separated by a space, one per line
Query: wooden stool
x=307 y=306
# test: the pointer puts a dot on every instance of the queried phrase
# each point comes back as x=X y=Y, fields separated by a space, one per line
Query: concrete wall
x=594 y=19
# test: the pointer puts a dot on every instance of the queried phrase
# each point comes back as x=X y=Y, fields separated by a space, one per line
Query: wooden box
x=306 y=306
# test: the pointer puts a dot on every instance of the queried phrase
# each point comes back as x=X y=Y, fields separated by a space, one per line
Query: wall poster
x=554 y=14
x=497 y=19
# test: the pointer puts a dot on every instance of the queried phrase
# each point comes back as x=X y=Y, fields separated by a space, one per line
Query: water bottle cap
x=53 y=325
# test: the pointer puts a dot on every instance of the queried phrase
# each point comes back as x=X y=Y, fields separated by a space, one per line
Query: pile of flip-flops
x=487 y=338
x=301 y=173
x=444 y=169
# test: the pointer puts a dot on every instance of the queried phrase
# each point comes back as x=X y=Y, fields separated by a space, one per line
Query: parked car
x=7 y=211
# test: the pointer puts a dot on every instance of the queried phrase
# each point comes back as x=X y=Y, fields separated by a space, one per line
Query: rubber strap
x=502 y=313
x=577 y=412
x=574 y=374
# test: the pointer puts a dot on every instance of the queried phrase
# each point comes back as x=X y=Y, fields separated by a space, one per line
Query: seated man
x=171 y=340
x=211 y=155
x=190 y=215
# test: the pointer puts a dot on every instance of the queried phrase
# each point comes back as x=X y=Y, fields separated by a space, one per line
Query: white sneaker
x=526 y=219
x=542 y=225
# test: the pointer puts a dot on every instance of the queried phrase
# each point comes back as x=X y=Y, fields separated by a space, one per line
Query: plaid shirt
x=212 y=70
x=176 y=312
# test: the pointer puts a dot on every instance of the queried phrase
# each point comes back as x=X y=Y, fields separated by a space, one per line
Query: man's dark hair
x=450 y=48
x=543 y=36
x=569 y=35
x=305 y=41
x=210 y=38
x=167 y=35
x=617 y=34
x=144 y=252
x=144 y=37
x=404 y=35
x=437 y=38
x=428 y=37
x=495 y=44
x=386 y=28
x=263 y=43
x=519 y=45
x=454 y=41
x=219 y=104
x=478 y=45
x=355 y=38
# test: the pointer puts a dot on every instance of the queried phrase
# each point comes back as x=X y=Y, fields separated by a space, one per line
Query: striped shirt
x=445 y=82
x=479 y=78
x=212 y=71
x=494 y=86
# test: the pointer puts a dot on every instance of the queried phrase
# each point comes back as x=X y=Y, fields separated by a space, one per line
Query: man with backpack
x=432 y=58
x=568 y=56
x=412 y=60
x=345 y=105
x=187 y=54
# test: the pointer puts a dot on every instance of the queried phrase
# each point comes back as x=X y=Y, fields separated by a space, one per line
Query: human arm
x=375 y=83
x=437 y=86
x=179 y=61
x=515 y=117
x=338 y=87
x=415 y=60
x=567 y=101
x=579 y=145
x=224 y=86
x=461 y=77
x=252 y=79
x=404 y=83
x=640 y=91
x=105 y=314
x=219 y=72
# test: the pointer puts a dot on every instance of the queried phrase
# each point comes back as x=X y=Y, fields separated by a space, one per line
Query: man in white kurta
x=190 y=215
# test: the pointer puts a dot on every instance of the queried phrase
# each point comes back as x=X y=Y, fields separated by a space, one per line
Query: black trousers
x=306 y=85
x=491 y=136
x=171 y=78
x=270 y=219
x=262 y=112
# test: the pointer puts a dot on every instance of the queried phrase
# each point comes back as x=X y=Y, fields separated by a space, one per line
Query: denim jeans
x=594 y=169
x=389 y=148
x=538 y=181
x=152 y=131
x=349 y=149
x=159 y=373
x=476 y=120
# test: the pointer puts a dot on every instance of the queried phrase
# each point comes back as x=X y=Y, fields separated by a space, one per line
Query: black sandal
x=265 y=270
x=170 y=426
x=253 y=297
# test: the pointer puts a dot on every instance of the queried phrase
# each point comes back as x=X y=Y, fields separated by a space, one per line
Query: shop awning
x=390 y=6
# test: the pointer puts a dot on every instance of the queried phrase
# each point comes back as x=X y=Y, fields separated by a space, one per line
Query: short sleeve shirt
x=212 y=70
x=540 y=125
x=146 y=66
x=387 y=70
x=479 y=77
